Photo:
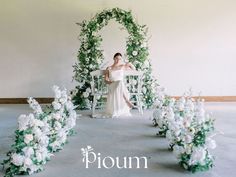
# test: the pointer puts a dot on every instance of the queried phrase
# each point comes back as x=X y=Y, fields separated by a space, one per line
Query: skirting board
x=47 y=100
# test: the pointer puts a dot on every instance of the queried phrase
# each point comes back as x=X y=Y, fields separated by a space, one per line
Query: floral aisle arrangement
x=90 y=55
x=39 y=134
x=189 y=130
x=164 y=110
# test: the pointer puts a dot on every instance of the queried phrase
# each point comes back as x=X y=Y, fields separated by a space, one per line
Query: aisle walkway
x=125 y=137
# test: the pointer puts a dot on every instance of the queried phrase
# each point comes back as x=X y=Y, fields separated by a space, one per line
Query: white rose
x=70 y=123
x=134 y=53
x=198 y=156
x=28 y=138
x=37 y=132
x=85 y=94
x=63 y=100
x=72 y=114
x=17 y=159
x=56 y=116
x=188 y=139
x=56 y=105
x=88 y=90
x=31 y=120
x=43 y=141
x=28 y=151
x=170 y=114
x=57 y=125
x=69 y=105
x=23 y=122
x=28 y=162
x=57 y=91
x=39 y=156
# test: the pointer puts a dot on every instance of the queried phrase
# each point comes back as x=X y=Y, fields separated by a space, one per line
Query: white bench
x=133 y=82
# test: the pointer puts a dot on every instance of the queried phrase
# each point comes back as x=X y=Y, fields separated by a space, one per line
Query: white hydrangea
x=23 y=122
x=198 y=156
x=28 y=151
x=17 y=159
x=28 y=138
x=56 y=105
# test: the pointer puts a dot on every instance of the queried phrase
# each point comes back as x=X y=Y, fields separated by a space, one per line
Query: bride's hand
x=108 y=82
x=130 y=66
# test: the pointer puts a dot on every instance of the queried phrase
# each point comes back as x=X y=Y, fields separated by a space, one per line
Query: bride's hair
x=117 y=54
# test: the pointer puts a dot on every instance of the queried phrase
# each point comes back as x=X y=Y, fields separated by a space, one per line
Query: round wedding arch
x=90 y=55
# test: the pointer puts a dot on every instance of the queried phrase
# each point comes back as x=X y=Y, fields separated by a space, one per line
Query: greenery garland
x=90 y=55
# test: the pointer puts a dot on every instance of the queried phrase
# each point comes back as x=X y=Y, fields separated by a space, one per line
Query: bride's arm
x=130 y=66
x=107 y=80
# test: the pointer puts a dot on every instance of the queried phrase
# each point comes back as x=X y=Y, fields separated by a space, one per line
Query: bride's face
x=117 y=59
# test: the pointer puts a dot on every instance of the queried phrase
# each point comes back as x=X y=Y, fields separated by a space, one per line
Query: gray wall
x=192 y=43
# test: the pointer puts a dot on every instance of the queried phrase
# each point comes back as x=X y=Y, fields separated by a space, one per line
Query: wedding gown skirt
x=116 y=105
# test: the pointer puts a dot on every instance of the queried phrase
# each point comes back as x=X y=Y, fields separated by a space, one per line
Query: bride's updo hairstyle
x=116 y=55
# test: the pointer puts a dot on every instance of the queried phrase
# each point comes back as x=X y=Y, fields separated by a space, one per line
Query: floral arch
x=90 y=55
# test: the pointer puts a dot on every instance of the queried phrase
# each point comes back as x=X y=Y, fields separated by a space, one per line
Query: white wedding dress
x=116 y=105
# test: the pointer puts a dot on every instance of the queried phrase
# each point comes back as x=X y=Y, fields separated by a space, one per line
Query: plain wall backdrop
x=192 y=43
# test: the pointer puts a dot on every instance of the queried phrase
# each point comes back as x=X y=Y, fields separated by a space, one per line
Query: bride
x=118 y=103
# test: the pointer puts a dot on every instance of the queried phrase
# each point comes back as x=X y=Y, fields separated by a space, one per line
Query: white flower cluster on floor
x=188 y=128
x=41 y=133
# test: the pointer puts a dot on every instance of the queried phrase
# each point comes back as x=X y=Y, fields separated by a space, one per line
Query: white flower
x=23 y=122
x=28 y=138
x=210 y=143
x=168 y=135
x=43 y=141
x=35 y=105
x=170 y=114
x=143 y=45
x=70 y=123
x=39 y=156
x=57 y=91
x=17 y=159
x=85 y=94
x=57 y=125
x=188 y=149
x=188 y=138
x=187 y=122
x=28 y=162
x=144 y=89
x=88 y=90
x=198 y=156
x=178 y=150
x=56 y=105
x=56 y=116
x=134 y=53
x=31 y=120
x=63 y=100
x=37 y=132
x=69 y=105
x=72 y=114
x=28 y=151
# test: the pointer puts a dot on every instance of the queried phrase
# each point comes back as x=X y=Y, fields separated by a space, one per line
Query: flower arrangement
x=90 y=55
x=163 y=112
x=188 y=129
x=39 y=134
